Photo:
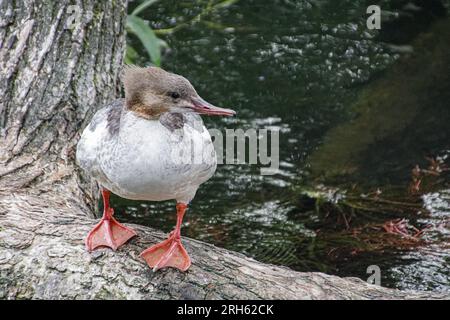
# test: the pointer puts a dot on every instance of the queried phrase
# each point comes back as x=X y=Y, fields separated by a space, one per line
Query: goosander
x=147 y=146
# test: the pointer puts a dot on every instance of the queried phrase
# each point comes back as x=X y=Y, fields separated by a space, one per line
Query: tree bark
x=54 y=76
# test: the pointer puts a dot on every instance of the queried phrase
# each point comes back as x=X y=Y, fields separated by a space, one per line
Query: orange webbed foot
x=108 y=233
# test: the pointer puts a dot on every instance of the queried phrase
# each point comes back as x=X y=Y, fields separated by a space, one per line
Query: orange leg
x=108 y=232
x=170 y=252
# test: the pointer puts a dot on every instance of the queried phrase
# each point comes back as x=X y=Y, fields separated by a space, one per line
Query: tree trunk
x=56 y=70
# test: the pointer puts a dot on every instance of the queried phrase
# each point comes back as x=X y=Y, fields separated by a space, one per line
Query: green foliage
x=147 y=37
x=145 y=34
x=144 y=5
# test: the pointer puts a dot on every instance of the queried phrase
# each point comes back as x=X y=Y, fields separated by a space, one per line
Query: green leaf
x=143 y=6
x=130 y=55
x=225 y=3
x=146 y=35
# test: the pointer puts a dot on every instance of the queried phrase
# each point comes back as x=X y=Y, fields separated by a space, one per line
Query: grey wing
x=100 y=132
x=172 y=120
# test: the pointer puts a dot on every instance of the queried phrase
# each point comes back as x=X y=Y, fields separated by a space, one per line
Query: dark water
x=296 y=66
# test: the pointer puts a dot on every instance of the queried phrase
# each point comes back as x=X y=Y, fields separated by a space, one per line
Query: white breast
x=147 y=161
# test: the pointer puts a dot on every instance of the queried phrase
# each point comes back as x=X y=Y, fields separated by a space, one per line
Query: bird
x=150 y=145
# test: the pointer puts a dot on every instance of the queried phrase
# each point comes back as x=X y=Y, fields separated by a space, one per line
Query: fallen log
x=53 y=78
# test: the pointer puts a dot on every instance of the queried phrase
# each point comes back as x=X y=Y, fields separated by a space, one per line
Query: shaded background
x=357 y=110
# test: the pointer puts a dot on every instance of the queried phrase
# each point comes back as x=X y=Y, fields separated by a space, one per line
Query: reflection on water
x=295 y=66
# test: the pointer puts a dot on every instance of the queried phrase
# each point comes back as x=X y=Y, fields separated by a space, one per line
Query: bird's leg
x=170 y=252
x=108 y=232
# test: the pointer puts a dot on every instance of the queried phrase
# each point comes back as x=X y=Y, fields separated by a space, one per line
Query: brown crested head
x=152 y=91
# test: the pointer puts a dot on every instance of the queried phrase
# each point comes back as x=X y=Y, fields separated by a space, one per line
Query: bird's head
x=152 y=91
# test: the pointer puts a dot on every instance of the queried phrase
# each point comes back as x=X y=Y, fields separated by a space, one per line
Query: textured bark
x=55 y=72
x=52 y=80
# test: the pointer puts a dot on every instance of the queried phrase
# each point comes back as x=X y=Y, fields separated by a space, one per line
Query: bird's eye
x=174 y=95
